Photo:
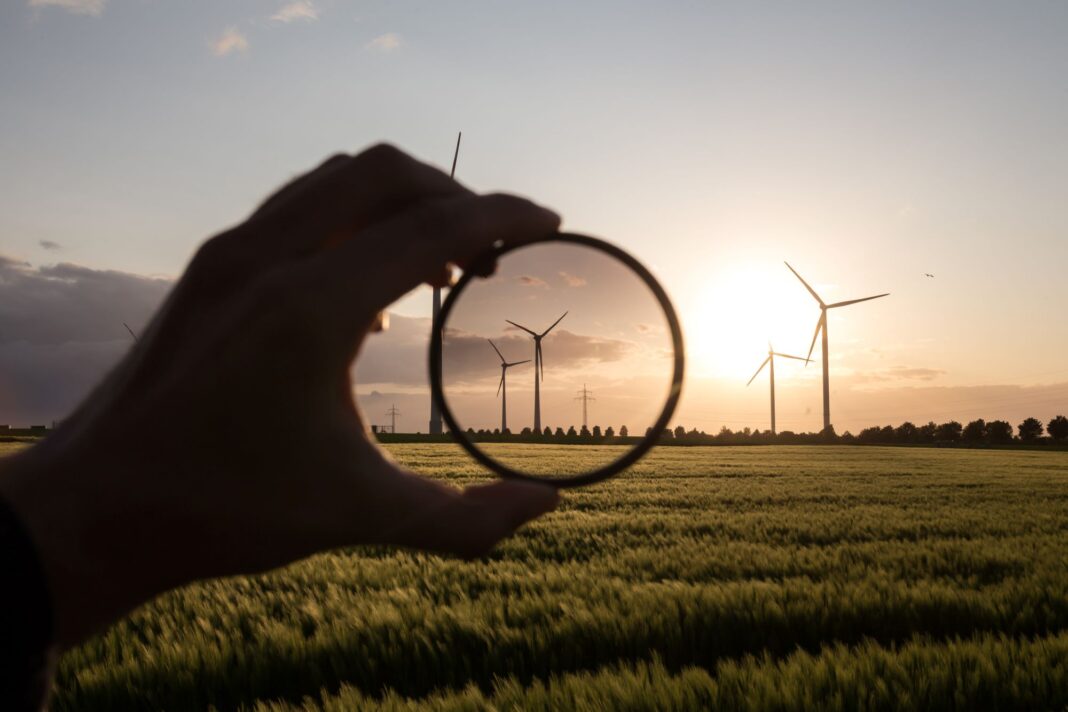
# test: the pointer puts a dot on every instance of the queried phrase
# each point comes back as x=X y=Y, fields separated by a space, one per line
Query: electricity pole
x=393 y=413
x=585 y=395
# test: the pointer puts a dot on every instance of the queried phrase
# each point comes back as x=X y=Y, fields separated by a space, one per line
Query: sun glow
x=742 y=308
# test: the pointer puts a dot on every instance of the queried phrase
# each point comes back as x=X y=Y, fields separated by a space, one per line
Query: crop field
x=750 y=578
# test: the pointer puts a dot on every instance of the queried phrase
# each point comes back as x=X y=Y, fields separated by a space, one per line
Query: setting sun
x=742 y=308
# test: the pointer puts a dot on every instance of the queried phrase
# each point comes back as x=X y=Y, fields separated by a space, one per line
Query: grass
x=750 y=578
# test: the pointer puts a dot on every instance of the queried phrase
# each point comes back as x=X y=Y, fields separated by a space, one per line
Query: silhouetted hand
x=227 y=441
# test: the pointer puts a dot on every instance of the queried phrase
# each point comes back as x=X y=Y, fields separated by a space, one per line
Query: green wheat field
x=839 y=578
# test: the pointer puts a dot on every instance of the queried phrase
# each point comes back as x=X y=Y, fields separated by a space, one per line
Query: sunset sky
x=867 y=145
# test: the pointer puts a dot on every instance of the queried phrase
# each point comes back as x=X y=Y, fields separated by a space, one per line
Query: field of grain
x=755 y=578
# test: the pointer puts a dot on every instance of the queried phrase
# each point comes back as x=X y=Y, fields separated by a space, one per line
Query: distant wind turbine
x=770 y=361
x=539 y=366
x=502 y=387
x=821 y=327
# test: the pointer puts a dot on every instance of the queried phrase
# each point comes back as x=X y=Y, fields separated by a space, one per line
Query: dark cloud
x=469 y=355
x=49 y=245
x=399 y=356
x=61 y=330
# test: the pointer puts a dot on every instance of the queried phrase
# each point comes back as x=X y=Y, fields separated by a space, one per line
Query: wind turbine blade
x=501 y=384
x=796 y=358
x=456 y=154
x=496 y=349
x=520 y=326
x=810 y=289
x=541 y=362
x=819 y=325
x=516 y=363
x=856 y=301
x=554 y=324
x=759 y=370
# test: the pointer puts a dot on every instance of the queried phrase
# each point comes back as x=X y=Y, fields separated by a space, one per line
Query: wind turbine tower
x=539 y=366
x=435 y=412
x=821 y=328
x=770 y=362
x=502 y=387
x=585 y=395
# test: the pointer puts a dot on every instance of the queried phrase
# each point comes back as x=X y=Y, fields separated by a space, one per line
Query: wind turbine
x=770 y=361
x=435 y=414
x=502 y=388
x=539 y=366
x=821 y=326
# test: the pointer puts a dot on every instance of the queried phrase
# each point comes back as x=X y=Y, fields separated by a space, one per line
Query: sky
x=867 y=144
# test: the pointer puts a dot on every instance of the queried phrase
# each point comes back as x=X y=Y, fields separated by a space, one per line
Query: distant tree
x=724 y=433
x=680 y=432
x=998 y=432
x=525 y=431
x=667 y=434
x=828 y=435
x=623 y=431
x=870 y=435
x=597 y=432
x=609 y=432
x=571 y=432
x=496 y=431
x=1058 y=428
x=948 y=432
x=470 y=431
x=847 y=437
x=585 y=433
x=926 y=433
x=548 y=432
x=560 y=432
x=974 y=432
x=906 y=432
x=746 y=432
x=1030 y=430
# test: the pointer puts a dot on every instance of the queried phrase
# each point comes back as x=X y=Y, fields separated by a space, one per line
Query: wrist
x=77 y=526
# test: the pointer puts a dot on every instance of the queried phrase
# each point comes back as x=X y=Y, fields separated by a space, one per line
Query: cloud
x=61 y=330
x=572 y=280
x=527 y=280
x=78 y=7
x=50 y=245
x=230 y=41
x=468 y=355
x=899 y=373
x=300 y=10
x=399 y=356
x=643 y=328
x=385 y=43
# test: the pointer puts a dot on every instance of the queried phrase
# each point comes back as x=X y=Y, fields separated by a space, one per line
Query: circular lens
x=570 y=343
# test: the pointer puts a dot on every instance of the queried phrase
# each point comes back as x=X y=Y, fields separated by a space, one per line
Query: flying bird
x=928 y=274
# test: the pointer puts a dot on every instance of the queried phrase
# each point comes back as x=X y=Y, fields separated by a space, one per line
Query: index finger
x=398 y=255
x=344 y=195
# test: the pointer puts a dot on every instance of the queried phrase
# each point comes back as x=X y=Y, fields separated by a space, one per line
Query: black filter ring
x=632 y=455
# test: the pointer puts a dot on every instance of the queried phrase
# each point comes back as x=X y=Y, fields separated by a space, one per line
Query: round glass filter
x=563 y=366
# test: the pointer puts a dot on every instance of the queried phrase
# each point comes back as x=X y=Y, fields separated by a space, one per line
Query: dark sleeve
x=27 y=657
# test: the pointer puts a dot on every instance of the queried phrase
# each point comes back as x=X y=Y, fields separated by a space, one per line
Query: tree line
x=1030 y=431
